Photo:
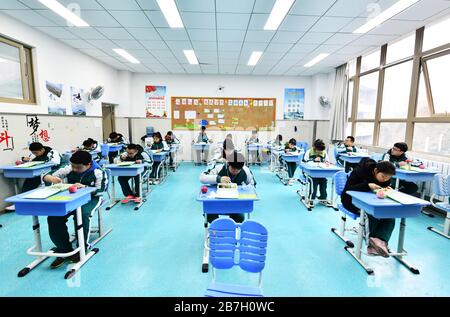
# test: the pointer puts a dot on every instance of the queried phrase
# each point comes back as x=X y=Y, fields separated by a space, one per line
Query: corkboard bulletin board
x=223 y=113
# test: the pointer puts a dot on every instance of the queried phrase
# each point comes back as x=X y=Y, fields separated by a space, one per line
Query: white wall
x=57 y=62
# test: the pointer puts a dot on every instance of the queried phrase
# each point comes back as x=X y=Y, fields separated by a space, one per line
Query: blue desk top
x=242 y=190
x=130 y=170
x=115 y=148
x=413 y=176
x=200 y=145
x=386 y=208
x=353 y=158
x=49 y=207
x=12 y=171
x=288 y=157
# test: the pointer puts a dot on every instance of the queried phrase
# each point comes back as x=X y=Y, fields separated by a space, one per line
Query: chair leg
x=446 y=232
x=341 y=233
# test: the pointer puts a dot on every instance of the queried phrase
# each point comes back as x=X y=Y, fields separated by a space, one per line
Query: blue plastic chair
x=340 y=179
x=226 y=238
x=303 y=145
x=335 y=154
x=441 y=187
x=104 y=151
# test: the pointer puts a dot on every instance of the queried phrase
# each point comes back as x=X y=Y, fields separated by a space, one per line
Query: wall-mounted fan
x=95 y=93
x=324 y=101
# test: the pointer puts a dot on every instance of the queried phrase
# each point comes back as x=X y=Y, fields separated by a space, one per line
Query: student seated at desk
x=158 y=146
x=222 y=153
x=369 y=176
x=291 y=147
x=134 y=153
x=347 y=147
x=82 y=172
x=318 y=154
x=115 y=137
x=396 y=155
x=91 y=145
x=232 y=171
x=203 y=138
x=170 y=139
x=253 y=154
x=278 y=141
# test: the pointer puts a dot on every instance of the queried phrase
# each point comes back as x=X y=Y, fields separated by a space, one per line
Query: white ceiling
x=223 y=33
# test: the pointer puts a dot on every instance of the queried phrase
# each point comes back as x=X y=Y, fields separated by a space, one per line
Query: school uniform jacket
x=311 y=155
x=121 y=140
x=212 y=176
x=49 y=155
x=142 y=156
x=95 y=176
x=161 y=145
x=202 y=137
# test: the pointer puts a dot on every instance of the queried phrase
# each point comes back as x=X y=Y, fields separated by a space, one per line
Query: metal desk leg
x=205 y=263
x=37 y=248
x=82 y=246
x=16 y=186
x=306 y=200
x=356 y=251
x=143 y=197
x=400 y=250
x=423 y=197
x=397 y=183
x=114 y=201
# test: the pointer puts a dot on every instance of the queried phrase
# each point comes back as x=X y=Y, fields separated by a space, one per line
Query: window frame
x=26 y=74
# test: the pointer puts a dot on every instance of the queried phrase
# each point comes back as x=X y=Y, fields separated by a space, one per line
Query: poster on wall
x=55 y=98
x=294 y=103
x=155 y=101
x=78 y=102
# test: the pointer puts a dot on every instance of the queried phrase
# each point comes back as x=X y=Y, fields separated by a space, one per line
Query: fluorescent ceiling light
x=170 y=11
x=126 y=55
x=254 y=58
x=190 y=55
x=317 y=59
x=61 y=10
x=279 y=11
x=385 y=15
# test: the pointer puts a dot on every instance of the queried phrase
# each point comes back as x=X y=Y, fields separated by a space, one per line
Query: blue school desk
x=174 y=150
x=68 y=154
x=17 y=173
x=285 y=158
x=221 y=206
x=275 y=153
x=254 y=147
x=201 y=147
x=162 y=171
x=352 y=158
x=384 y=209
x=49 y=207
x=115 y=148
x=312 y=170
x=412 y=176
x=131 y=170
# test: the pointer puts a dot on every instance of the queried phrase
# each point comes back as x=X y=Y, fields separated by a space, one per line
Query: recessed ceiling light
x=190 y=55
x=254 y=58
x=126 y=55
x=385 y=15
x=279 y=11
x=316 y=59
x=61 y=10
x=170 y=11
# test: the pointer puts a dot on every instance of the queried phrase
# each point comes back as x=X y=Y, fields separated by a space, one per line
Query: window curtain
x=338 y=119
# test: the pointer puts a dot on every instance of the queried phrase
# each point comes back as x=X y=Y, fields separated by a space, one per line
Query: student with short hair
x=91 y=145
x=232 y=171
x=318 y=154
x=134 y=153
x=396 y=155
x=82 y=172
x=170 y=139
x=291 y=147
x=202 y=138
x=347 y=147
x=118 y=138
x=370 y=176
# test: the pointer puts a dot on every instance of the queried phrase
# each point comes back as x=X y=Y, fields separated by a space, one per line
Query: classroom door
x=108 y=120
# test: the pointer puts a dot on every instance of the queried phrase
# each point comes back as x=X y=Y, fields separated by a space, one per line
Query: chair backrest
x=340 y=179
x=303 y=145
x=441 y=185
x=335 y=155
x=249 y=238
x=104 y=149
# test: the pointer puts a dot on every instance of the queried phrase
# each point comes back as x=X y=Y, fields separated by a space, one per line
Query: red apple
x=18 y=162
x=402 y=163
x=409 y=161
x=73 y=189
x=204 y=189
x=422 y=166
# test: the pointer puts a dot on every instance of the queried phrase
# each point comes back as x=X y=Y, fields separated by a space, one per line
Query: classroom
x=224 y=148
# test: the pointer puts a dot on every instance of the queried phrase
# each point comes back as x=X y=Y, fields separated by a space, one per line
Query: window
x=438 y=70
x=400 y=49
x=391 y=132
x=352 y=68
x=397 y=86
x=364 y=132
x=350 y=99
x=370 y=61
x=16 y=77
x=368 y=88
x=432 y=137
x=436 y=35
